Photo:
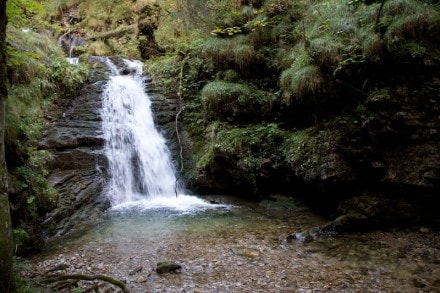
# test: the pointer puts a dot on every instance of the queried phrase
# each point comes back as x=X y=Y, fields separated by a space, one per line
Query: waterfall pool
x=241 y=247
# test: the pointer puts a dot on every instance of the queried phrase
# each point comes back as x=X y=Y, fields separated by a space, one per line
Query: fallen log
x=114 y=33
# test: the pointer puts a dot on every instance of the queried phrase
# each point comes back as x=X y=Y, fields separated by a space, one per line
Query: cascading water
x=69 y=41
x=139 y=161
x=140 y=167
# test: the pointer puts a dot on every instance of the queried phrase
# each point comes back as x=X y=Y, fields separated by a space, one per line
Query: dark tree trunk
x=6 y=245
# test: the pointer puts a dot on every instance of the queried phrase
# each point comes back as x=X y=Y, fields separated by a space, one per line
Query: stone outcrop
x=79 y=167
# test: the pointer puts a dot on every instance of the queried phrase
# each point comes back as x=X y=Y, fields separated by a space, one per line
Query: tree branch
x=179 y=94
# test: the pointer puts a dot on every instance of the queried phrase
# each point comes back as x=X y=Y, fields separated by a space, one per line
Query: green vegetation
x=38 y=73
x=227 y=100
x=307 y=68
x=235 y=52
x=267 y=85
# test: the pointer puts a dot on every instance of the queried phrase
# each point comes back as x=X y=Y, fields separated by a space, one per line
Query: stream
x=222 y=244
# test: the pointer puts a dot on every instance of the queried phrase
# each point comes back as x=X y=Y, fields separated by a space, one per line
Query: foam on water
x=182 y=203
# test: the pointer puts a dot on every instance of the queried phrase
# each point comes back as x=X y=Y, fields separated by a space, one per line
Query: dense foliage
x=308 y=92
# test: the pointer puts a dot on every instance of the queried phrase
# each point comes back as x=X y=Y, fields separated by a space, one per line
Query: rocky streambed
x=242 y=248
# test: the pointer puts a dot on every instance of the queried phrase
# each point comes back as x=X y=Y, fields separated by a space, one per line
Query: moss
x=253 y=148
x=99 y=48
x=37 y=79
x=167 y=267
x=253 y=139
x=312 y=154
x=380 y=100
x=228 y=76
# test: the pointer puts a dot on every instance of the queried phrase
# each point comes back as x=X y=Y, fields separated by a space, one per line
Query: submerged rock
x=246 y=252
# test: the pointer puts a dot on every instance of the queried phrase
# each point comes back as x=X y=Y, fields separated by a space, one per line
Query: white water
x=141 y=171
x=73 y=60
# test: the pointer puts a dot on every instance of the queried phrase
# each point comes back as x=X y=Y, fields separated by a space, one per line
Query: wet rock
x=303 y=237
x=165 y=109
x=135 y=271
x=424 y=229
x=167 y=267
x=418 y=284
x=78 y=169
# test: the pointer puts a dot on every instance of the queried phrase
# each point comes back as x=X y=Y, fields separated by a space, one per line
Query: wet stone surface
x=243 y=249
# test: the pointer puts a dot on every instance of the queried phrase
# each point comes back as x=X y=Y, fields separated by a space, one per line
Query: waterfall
x=140 y=166
x=69 y=41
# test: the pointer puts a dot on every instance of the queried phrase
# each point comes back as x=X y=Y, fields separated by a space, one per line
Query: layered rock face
x=166 y=110
x=79 y=169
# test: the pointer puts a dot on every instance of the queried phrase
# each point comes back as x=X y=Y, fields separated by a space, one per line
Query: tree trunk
x=6 y=244
x=178 y=29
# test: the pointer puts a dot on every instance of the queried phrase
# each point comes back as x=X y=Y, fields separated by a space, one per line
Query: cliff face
x=336 y=103
x=78 y=171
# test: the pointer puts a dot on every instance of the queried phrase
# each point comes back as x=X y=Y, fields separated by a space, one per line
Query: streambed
x=242 y=247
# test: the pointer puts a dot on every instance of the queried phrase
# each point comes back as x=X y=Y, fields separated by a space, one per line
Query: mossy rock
x=313 y=155
x=244 y=157
x=167 y=267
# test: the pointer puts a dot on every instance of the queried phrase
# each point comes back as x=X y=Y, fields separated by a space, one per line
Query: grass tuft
x=226 y=99
x=303 y=79
x=234 y=51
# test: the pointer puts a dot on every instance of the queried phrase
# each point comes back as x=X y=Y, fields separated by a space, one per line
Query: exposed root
x=63 y=281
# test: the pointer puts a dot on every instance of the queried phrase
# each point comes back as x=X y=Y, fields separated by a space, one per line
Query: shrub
x=233 y=52
x=227 y=100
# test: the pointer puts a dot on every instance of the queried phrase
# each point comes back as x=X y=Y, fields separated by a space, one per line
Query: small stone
x=135 y=271
x=167 y=267
x=141 y=279
x=424 y=229
x=246 y=252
